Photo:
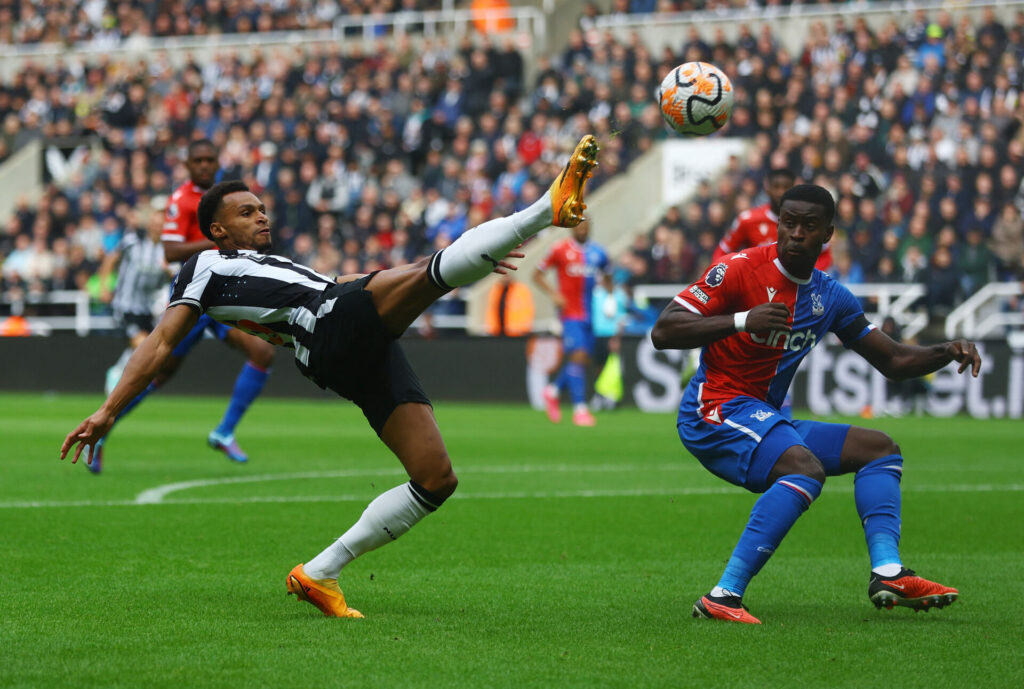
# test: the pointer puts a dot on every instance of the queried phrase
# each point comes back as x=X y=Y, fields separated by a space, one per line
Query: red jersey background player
x=181 y=239
x=578 y=262
x=759 y=225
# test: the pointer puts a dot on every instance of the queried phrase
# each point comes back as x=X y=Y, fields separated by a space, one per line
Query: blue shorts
x=576 y=336
x=751 y=437
x=219 y=330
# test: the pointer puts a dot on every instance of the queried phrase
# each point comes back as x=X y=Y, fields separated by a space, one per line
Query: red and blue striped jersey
x=762 y=365
x=577 y=266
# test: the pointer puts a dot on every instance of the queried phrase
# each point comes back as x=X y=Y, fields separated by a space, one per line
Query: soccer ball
x=696 y=98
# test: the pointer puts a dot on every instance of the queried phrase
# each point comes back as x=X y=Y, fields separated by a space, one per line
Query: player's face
x=802 y=233
x=202 y=166
x=242 y=223
x=775 y=187
x=581 y=232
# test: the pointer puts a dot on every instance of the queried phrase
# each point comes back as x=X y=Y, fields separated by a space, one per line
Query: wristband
x=740 y=320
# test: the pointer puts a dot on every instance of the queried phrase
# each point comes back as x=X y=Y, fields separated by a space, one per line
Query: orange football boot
x=325 y=594
x=728 y=608
x=567 y=190
x=910 y=591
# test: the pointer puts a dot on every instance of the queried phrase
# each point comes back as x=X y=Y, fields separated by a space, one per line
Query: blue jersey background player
x=756 y=314
x=578 y=263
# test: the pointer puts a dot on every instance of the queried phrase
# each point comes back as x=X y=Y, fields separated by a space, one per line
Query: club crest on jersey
x=817 y=308
x=762 y=415
x=715 y=276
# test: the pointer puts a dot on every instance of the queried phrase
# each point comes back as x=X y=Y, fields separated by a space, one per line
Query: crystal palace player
x=756 y=227
x=757 y=314
x=578 y=262
x=182 y=238
x=344 y=334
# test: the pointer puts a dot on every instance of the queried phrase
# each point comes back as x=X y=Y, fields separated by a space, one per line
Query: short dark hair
x=781 y=172
x=200 y=143
x=210 y=203
x=812 y=193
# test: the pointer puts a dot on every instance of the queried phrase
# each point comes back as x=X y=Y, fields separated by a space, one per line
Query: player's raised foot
x=324 y=594
x=228 y=445
x=908 y=590
x=567 y=190
x=583 y=417
x=727 y=608
x=96 y=465
x=554 y=411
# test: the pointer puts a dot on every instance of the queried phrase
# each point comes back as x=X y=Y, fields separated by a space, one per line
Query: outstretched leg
x=878 y=465
x=412 y=434
x=401 y=294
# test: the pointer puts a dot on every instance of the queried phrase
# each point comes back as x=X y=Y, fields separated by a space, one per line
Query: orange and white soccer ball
x=696 y=98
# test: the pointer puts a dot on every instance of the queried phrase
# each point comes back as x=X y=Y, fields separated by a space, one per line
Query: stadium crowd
x=370 y=158
x=102 y=23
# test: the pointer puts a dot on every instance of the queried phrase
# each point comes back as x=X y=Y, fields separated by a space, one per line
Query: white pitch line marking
x=155 y=495
x=538 y=495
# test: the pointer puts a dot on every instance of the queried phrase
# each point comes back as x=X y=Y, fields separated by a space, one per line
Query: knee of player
x=262 y=356
x=442 y=482
x=881 y=445
x=811 y=467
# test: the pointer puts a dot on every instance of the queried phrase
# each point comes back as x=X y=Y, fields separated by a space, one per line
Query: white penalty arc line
x=156 y=495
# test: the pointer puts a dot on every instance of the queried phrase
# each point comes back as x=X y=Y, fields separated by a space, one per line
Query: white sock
x=718 y=592
x=477 y=252
x=390 y=515
x=889 y=570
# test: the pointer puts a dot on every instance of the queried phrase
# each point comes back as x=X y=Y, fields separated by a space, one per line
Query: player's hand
x=88 y=433
x=767 y=317
x=966 y=354
x=504 y=266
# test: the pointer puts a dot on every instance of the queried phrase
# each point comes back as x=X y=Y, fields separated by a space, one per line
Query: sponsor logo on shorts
x=762 y=415
x=700 y=294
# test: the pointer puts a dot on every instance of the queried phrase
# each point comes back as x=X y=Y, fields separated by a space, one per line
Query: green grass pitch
x=568 y=558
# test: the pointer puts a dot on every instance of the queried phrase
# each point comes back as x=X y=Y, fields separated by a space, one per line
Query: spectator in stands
x=1007 y=243
x=942 y=283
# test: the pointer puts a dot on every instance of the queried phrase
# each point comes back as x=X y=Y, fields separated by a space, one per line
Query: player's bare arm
x=177 y=252
x=541 y=281
x=898 y=361
x=142 y=367
x=679 y=328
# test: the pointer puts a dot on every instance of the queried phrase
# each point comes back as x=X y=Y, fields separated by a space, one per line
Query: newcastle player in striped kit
x=182 y=238
x=142 y=275
x=344 y=334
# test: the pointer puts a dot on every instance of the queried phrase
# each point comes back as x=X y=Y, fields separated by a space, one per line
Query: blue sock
x=135 y=402
x=574 y=374
x=561 y=380
x=876 y=490
x=773 y=515
x=248 y=386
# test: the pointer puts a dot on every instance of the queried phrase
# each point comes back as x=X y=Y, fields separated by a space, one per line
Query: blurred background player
x=182 y=238
x=577 y=262
x=759 y=225
x=142 y=275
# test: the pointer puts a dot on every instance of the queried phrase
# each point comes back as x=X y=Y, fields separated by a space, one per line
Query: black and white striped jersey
x=140 y=274
x=269 y=296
